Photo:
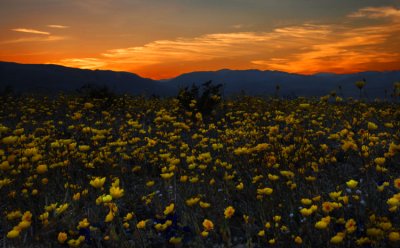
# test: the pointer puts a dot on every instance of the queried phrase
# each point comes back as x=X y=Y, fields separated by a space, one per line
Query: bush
x=210 y=98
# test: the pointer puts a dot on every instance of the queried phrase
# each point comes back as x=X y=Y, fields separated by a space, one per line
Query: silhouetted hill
x=256 y=82
x=54 y=78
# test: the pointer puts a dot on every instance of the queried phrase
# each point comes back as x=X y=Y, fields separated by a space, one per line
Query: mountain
x=46 y=78
x=257 y=82
x=54 y=78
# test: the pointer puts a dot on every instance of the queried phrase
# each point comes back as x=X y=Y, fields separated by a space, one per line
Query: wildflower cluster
x=262 y=172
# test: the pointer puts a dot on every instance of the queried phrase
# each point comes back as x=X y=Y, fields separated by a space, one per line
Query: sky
x=161 y=39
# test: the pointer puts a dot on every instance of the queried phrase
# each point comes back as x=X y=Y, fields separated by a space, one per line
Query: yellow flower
x=261 y=233
x=372 y=126
x=61 y=208
x=106 y=198
x=83 y=148
x=265 y=191
x=397 y=183
x=14 y=215
x=175 y=240
x=62 y=237
x=304 y=105
x=13 y=233
x=277 y=218
x=169 y=209
x=24 y=224
x=192 y=201
x=208 y=225
x=163 y=227
x=88 y=105
x=298 y=240
x=394 y=236
x=338 y=238
x=83 y=224
x=76 y=242
x=229 y=211
x=323 y=223
x=374 y=232
x=128 y=217
x=141 y=224
x=150 y=183
x=380 y=161
x=239 y=186
x=204 y=234
x=98 y=182
x=204 y=204
x=116 y=192
x=10 y=140
x=40 y=169
x=306 y=201
x=167 y=175
x=109 y=217
x=351 y=226
x=352 y=184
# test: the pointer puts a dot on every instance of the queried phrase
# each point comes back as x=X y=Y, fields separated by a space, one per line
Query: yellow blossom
x=13 y=233
x=116 y=192
x=265 y=191
x=352 y=184
x=169 y=209
x=97 y=182
x=394 y=236
x=141 y=224
x=298 y=240
x=204 y=204
x=338 y=238
x=62 y=237
x=229 y=211
x=208 y=225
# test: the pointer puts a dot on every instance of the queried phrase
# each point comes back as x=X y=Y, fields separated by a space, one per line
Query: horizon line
x=217 y=70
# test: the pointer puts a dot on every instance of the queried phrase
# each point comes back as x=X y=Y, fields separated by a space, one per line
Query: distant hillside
x=256 y=82
x=54 y=78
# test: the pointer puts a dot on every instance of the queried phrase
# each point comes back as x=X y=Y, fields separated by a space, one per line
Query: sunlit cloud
x=376 y=12
x=57 y=26
x=84 y=63
x=206 y=47
x=307 y=48
x=49 y=38
x=31 y=31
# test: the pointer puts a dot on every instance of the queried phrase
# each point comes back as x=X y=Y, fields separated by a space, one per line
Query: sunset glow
x=185 y=36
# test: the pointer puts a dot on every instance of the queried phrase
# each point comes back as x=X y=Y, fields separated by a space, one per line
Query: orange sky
x=364 y=38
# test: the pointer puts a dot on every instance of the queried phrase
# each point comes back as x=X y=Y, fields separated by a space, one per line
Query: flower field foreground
x=136 y=172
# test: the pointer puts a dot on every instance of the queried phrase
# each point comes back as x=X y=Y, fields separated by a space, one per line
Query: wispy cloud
x=376 y=12
x=84 y=63
x=31 y=31
x=57 y=26
x=306 y=48
x=35 y=39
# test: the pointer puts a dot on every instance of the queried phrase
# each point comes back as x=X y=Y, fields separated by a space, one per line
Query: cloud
x=84 y=63
x=238 y=26
x=31 y=31
x=306 y=48
x=35 y=39
x=376 y=12
x=57 y=26
x=206 y=47
x=345 y=50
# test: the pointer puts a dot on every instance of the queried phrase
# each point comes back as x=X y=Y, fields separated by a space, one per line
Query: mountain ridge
x=51 y=78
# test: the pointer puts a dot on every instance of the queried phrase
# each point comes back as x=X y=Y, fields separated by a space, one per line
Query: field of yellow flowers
x=136 y=172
